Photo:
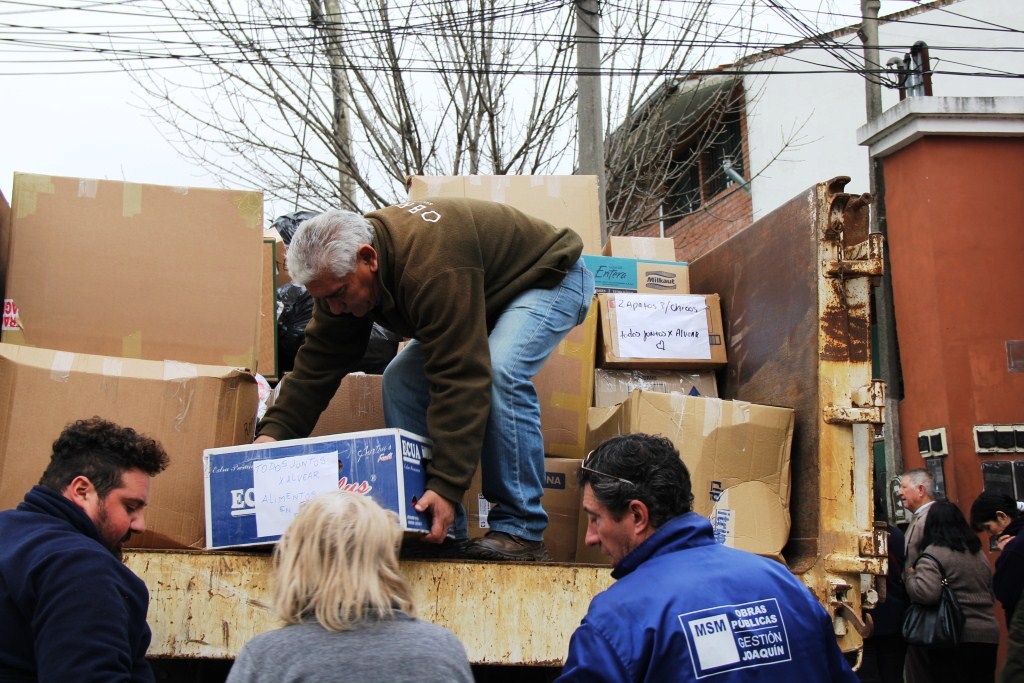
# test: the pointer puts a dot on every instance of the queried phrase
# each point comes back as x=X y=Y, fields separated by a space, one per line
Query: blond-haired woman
x=347 y=610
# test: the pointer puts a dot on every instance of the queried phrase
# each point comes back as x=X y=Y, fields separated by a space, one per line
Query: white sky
x=95 y=126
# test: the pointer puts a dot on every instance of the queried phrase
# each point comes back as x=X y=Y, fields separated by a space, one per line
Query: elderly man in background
x=917 y=488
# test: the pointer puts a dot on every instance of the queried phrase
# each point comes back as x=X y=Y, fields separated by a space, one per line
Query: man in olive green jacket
x=486 y=293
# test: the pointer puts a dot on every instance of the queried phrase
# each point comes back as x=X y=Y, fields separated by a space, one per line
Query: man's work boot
x=448 y=549
x=502 y=547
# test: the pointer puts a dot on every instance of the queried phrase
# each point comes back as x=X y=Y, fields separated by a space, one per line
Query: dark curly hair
x=103 y=452
x=642 y=467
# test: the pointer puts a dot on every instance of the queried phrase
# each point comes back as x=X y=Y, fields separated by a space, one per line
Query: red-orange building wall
x=955 y=209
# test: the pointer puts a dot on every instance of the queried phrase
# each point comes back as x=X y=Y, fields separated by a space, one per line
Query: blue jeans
x=512 y=461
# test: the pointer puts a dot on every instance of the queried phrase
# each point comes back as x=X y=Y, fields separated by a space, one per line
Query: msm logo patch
x=730 y=637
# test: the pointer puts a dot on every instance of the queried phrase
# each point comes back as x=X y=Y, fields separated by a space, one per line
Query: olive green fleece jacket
x=447 y=268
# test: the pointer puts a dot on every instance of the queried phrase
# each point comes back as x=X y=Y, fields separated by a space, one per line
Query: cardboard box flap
x=751 y=516
x=721 y=441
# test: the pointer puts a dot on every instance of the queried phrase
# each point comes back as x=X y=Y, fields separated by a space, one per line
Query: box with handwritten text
x=668 y=331
x=254 y=491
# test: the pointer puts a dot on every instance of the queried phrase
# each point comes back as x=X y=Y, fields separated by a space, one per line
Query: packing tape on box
x=176 y=371
x=131 y=345
x=87 y=188
x=250 y=210
x=113 y=367
x=60 y=368
x=131 y=199
x=27 y=188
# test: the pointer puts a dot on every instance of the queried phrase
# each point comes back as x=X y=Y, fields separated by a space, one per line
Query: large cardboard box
x=650 y=248
x=267 y=351
x=668 y=331
x=253 y=492
x=135 y=271
x=356 y=407
x=562 y=200
x=613 y=386
x=561 y=501
x=185 y=407
x=5 y=246
x=565 y=389
x=738 y=455
x=617 y=274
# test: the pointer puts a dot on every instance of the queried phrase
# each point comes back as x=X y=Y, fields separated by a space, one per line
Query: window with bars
x=698 y=172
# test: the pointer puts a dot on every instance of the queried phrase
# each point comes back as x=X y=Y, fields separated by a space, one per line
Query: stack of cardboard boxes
x=139 y=304
x=144 y=304
x=646 y=339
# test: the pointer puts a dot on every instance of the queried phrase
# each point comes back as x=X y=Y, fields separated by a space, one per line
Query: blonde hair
x=338 y=561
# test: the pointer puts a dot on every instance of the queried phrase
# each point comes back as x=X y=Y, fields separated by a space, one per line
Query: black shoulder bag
x=939 y=625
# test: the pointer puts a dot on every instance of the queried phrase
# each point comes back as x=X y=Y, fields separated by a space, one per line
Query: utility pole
x=885 y=319
x=342 y=128
x=590 y=136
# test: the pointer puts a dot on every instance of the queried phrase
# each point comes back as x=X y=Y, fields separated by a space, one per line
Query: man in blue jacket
x=69 y=609
x=685 y=608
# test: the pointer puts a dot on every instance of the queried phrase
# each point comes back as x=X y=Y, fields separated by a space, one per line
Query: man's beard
x=115 y=546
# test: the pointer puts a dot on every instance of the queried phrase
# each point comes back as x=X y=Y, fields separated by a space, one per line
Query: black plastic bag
x=287 y=224
x=294 y=311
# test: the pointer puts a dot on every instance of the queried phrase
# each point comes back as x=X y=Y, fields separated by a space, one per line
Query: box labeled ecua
x=253 y=492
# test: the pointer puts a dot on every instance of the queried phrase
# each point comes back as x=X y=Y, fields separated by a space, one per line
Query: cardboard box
x=613 y=386
x=185 y=407
x=649 y=248
x=267 y=350
x=356 y=407
x=135 y=271
x=667 y=331
x=562 y=200
x=254 y=491
x=280 y=251
x=5 y=247
x=616 y=274
x=738 y=455
x=561 y=501
x=565 y=388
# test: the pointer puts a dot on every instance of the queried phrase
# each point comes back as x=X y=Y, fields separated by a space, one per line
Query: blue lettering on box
x=554 y=480
x=731 y=637
x=612 y=273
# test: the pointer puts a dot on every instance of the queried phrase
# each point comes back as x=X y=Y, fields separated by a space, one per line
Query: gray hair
x=327 y=245
x=923 y=477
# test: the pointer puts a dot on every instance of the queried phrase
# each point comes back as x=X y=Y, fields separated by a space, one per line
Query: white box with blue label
x=254 y=491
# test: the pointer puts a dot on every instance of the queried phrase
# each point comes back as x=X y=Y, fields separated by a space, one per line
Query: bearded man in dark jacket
x=69 y=608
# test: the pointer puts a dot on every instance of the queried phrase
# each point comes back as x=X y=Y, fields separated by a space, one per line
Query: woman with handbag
x=951 y=554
